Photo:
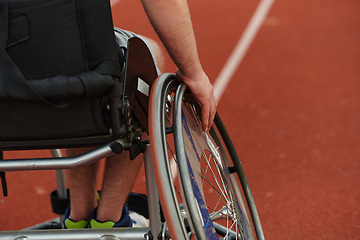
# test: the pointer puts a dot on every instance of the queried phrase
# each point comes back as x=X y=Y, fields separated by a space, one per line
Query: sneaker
x=125 y=220
x=71 y=224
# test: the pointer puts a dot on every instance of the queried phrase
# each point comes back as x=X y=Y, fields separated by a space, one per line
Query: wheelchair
x=210 y=200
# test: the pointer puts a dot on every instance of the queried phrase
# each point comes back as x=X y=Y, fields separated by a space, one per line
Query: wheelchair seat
x=107 y=117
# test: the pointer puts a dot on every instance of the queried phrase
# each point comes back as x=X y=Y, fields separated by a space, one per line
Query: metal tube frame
x=152 y=194
x=77 y=234
x=60 y=181
x=58 y=163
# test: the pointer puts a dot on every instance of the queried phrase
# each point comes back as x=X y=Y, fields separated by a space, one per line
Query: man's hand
x=202 y=90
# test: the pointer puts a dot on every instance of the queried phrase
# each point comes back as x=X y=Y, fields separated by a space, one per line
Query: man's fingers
x=205 y=118
x=208 y=114
x=212 y=114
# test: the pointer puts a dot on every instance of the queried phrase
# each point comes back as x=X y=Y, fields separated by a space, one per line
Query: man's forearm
x=171 y=21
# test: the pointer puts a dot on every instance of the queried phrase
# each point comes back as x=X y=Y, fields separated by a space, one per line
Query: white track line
x=241 y=48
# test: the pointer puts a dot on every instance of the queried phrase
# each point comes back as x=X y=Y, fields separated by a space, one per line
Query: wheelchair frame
x=71 y=162
x=157 y=229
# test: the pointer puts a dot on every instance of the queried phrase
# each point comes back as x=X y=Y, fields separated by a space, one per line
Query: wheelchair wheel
x=163 y=151
x=210 y=173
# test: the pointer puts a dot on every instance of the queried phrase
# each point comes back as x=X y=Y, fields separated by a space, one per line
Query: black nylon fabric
x=12 y=81
x=69 y=50
x=67 y=37
x=86 y=84
x=49 y=41
x=4 y=21
x=21 y=121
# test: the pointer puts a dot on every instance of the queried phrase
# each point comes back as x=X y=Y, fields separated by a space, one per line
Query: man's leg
x=83 y=187
x=119 y=177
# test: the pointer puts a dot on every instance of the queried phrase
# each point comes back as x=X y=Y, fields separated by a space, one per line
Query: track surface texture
x=291 y=108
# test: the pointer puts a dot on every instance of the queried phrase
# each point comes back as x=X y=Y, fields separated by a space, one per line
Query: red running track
x=292 y=108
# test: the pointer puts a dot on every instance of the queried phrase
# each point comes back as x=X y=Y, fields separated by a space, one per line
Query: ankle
x=103 y=215
x=78 y=214
x=78 y=217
